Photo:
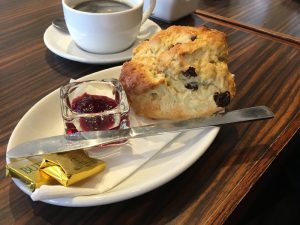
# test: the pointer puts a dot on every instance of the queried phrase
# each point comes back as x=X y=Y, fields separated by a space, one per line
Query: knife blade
x=83 y=140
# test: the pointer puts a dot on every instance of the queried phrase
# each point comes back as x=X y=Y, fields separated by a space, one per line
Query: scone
x=179 y=73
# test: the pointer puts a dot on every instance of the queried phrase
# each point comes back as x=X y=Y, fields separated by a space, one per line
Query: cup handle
x=149 y=11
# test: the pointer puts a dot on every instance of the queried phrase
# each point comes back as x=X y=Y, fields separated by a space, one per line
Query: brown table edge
x=281 y=37
x=281 y=160
x=277 y=146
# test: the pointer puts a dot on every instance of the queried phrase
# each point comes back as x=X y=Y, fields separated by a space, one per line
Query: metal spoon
x=61 y=25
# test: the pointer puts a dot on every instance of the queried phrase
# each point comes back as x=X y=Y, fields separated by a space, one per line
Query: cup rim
x=102 y=14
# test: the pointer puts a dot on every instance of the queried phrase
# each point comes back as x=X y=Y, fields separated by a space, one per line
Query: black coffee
x=102 y=6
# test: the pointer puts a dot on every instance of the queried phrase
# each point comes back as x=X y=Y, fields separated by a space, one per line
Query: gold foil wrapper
x=27 y=170
x=71 y=167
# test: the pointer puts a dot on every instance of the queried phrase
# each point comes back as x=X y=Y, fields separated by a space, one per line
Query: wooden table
x=276 y=15
x=267 y=70
x=275 y=18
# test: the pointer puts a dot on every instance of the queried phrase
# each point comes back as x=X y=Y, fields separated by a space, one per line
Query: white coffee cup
x=105 y=32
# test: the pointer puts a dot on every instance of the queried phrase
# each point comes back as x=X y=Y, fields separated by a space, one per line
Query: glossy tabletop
x=275 y=15
x=267 y=72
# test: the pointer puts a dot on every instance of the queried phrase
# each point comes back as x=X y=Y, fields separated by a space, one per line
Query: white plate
x=62 y=44
x=172 y=160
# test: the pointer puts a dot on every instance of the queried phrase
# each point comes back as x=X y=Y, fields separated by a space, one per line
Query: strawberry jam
x=88 y=104
x=94 y=104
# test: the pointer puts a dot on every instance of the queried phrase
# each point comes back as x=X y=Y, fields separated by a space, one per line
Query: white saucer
x=61 y=44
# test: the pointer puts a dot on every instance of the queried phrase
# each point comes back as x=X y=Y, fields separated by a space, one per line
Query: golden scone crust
x=179 y=73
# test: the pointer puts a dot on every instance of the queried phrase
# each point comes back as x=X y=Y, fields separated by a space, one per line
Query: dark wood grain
x=248 y=27
x=276 y=15
x=267 y=73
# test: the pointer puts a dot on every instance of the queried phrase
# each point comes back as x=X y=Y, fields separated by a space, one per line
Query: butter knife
x=81 y=140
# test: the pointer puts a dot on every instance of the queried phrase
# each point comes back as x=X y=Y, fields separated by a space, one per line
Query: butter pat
x=27 y=170
x=71 y=167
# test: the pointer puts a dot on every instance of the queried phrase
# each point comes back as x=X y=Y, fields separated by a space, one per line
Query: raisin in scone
x=179 y=73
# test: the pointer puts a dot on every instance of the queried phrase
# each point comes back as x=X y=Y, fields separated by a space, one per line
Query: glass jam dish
x=94 y=105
